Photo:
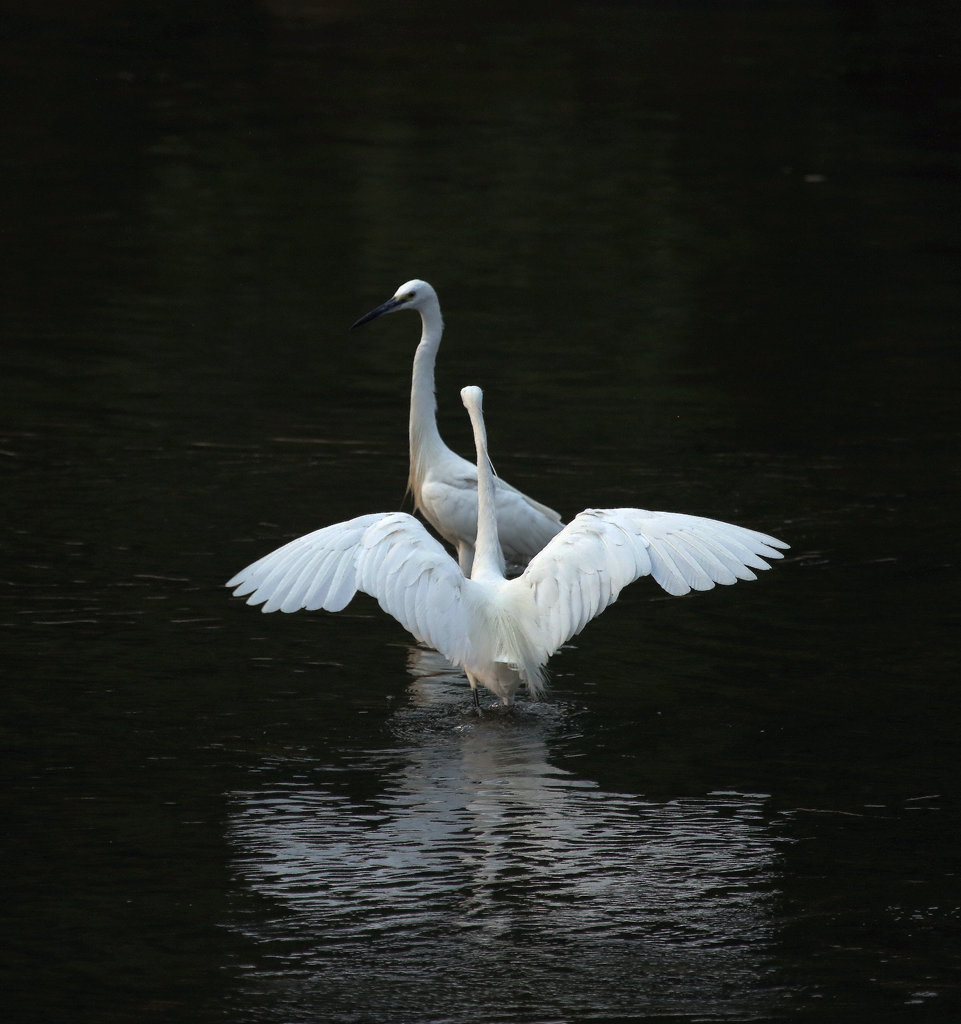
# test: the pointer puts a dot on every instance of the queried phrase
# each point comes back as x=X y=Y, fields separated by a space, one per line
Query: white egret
x=501 y=631
x=443 y=485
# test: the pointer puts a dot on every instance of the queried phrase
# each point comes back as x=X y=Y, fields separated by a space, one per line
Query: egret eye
x=409 y=296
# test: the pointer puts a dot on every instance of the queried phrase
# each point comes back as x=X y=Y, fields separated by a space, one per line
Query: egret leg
x=474 y=693
x=465 y=557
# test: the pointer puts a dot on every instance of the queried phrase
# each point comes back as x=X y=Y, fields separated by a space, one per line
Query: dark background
x=701 y=257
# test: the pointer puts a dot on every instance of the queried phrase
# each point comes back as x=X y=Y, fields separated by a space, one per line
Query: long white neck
x=424 y=436
x=488 y=557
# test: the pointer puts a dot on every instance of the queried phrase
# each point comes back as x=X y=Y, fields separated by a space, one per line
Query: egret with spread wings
x=501 y=631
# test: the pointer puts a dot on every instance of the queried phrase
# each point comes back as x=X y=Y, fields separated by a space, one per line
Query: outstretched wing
x=387 y=555
x=318 y=570
x=416 y=580
x=584 y=568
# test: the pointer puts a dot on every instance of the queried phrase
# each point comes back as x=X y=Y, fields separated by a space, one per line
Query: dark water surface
x=702 y=257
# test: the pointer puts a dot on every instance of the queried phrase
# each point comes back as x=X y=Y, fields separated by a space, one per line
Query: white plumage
x=443 y=485
x=501 y=631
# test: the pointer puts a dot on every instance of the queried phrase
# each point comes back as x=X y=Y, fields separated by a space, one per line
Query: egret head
x=411 y=295
x=472 y=397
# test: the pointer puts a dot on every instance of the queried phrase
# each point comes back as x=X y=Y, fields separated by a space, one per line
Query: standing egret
x=501 y=631
x=444 y=485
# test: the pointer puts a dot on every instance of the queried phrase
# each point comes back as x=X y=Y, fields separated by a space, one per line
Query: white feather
x=501 y=631
x=443 y=485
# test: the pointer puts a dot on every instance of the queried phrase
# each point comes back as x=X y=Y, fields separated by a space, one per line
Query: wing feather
x=301 y=567
x=585 y=567
x=417 y=582
x=389 y=556
x=581 y=571
x=316 y=594
x=343 y=584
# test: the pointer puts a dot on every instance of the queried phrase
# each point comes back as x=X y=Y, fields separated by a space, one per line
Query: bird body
x=444 y=485
x=501 y=631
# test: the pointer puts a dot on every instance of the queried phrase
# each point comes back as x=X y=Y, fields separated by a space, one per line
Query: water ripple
x=520 y=885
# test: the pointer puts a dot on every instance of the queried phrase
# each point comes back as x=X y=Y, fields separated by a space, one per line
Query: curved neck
x=423 y=433
x=488 y=557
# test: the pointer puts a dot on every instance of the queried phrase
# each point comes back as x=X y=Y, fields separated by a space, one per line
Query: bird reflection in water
x=488 y=866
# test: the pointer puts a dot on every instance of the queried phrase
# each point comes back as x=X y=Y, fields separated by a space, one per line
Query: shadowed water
x=701 y=258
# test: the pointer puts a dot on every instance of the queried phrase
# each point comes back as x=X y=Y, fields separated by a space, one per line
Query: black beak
x=379 y=311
